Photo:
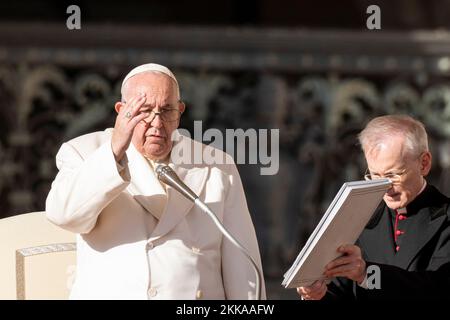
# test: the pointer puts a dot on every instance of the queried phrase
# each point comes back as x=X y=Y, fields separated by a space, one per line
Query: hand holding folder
x=342 y=223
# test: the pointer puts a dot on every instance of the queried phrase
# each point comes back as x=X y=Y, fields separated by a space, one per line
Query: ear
x=425 y=163
x=118 y=106
x=181 y=106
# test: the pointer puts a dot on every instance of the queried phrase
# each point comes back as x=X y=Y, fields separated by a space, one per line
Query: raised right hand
x=316 y=291
x=128 y=117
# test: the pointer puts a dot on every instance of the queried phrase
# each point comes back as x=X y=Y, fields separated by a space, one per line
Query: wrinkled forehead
x=156 y=86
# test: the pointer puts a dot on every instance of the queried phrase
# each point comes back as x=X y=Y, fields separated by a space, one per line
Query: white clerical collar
x=423 y=187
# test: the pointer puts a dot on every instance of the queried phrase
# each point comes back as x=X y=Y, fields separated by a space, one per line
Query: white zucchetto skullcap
x=151 y=67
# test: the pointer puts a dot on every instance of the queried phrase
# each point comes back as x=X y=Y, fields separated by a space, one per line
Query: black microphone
x=166 y=175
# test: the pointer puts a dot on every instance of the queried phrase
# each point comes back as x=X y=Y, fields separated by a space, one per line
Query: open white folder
x=342 y=223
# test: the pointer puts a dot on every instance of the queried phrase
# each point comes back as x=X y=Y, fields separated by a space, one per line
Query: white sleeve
x=238 y=274
x=83 y=187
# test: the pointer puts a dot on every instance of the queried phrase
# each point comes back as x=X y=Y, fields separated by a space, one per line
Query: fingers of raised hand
x=132 y=107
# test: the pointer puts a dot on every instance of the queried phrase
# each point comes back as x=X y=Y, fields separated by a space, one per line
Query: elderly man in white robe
x=136 y=237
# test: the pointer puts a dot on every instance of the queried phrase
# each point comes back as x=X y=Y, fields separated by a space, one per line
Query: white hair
x=382 y=129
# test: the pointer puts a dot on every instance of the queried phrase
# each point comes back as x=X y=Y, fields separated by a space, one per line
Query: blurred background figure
x=309 y=68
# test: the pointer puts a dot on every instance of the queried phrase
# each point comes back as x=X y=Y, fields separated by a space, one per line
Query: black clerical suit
x=417 y=265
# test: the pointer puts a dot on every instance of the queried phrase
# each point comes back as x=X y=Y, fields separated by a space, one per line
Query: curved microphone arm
x=220 y=226
x=168 y=176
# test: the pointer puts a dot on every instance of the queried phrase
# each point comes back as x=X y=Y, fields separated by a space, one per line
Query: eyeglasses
x=166 y=115
x=396 y=178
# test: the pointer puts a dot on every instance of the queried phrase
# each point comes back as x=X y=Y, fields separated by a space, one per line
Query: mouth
x=155 y=136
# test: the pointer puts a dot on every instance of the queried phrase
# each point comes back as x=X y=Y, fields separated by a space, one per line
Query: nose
x=390 y=191
x=156 y=121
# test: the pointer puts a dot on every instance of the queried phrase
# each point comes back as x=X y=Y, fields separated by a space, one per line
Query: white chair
x=38 y=259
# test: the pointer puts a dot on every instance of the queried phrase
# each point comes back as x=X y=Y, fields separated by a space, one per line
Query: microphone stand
x=222 y=229
x=169 y=177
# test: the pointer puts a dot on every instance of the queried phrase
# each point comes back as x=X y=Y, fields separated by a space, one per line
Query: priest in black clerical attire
x=404 y=251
